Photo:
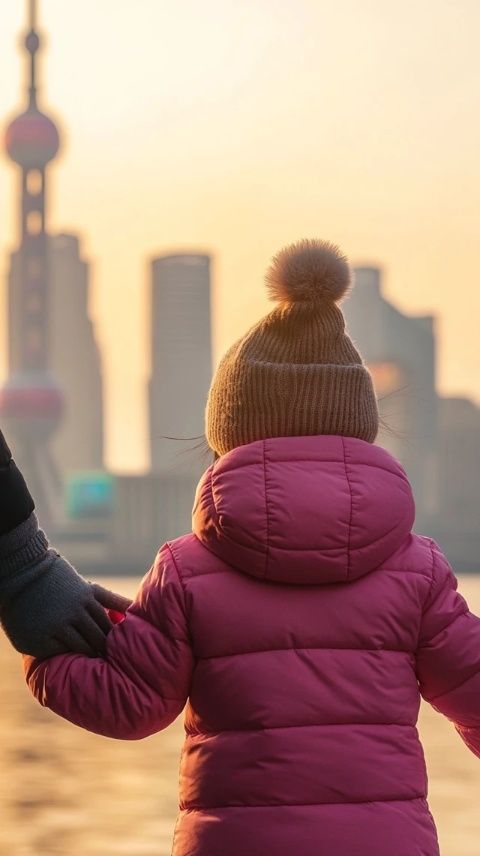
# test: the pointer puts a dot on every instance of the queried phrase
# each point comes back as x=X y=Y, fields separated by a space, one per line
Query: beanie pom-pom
x=310 y=271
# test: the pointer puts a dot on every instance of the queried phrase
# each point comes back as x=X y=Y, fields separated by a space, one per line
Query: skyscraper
x=181 y=360
x=157 y=506
x=31 y=401
x=400 y=352
x=78 y=444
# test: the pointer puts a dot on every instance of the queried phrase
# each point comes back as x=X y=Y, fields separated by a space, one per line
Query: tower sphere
x=32 y=42
x=32 y=139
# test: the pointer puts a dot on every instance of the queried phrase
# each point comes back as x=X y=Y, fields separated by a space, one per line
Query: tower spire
x=32 y=44
x=31 y=399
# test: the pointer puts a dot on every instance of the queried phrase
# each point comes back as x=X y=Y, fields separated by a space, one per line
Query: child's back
x=300 y=619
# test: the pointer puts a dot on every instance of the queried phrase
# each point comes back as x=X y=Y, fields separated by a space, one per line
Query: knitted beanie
x=296 y=372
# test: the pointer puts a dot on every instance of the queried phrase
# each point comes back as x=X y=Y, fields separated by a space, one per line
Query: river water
x=64 y=792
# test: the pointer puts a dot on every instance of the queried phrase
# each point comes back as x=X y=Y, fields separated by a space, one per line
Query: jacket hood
x=304 y=510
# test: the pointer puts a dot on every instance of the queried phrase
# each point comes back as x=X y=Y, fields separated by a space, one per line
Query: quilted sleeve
x=448 y=654
x=143 y=683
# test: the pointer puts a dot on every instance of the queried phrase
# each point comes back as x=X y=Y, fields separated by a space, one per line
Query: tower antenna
x=31 y=400
x=32 y=44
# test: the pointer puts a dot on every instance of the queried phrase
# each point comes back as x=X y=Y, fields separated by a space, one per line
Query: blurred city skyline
x=241 y=130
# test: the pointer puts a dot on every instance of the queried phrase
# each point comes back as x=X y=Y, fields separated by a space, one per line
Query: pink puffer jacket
x=301 y=620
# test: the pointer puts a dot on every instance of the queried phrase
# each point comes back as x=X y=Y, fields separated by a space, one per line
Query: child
x=301 y=620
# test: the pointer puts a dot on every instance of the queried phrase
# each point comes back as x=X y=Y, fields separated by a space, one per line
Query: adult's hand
x=46 y=607
x=50 y=609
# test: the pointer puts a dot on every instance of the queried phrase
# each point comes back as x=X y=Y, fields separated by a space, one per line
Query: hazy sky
x=235 y=127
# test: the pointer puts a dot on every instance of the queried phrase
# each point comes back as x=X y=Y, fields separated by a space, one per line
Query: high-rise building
x=75 y=359
x=157 y=506
x=31 y=400
x=181 y=360
x=400 y=353
x=458 y=479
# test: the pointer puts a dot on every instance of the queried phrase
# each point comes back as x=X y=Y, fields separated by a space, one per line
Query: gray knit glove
x=46 y=607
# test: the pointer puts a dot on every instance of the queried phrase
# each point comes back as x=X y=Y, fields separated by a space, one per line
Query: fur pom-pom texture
x=310 y=271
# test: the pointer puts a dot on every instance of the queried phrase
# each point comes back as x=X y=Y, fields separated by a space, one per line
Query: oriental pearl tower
x=31 y=401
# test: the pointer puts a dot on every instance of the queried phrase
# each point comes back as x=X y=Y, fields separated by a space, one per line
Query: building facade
x=457 y=525
x=78 y=443
x=181 y=360
x=400 y=352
